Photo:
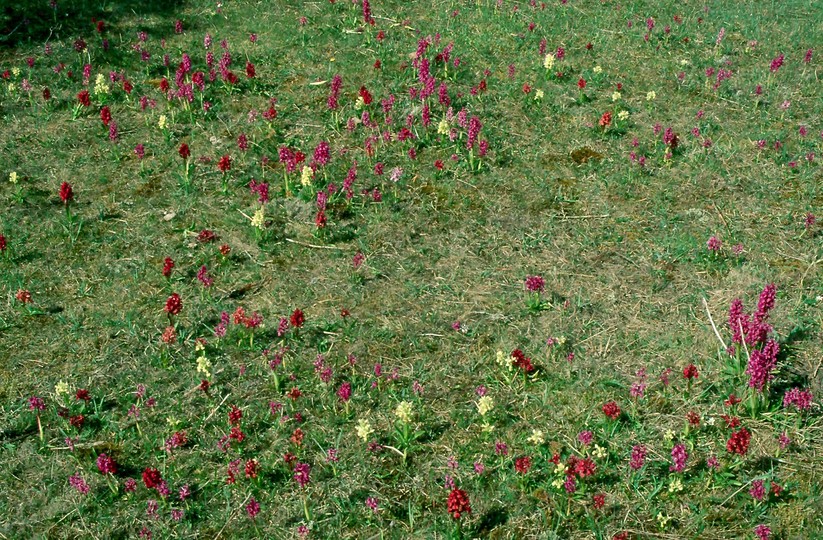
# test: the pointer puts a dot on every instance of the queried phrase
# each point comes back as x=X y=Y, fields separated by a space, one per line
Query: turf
x=612 y=215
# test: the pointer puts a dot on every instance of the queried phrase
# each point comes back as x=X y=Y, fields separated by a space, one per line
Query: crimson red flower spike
x=66 y=193
x=458 y=503
x=174 y=305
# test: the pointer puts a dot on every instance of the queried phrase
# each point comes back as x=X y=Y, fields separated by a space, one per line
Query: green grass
x=622 y=249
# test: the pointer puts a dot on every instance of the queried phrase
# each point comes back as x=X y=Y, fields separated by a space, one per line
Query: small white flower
x=616 y=96
x=259 y=218
x=404 y=412
x=623 y=115
x=204 y=366
x=100 y=85
x=538 y=95
x=651 y=95
x=61 y=389
x=598 y=69
x=306 y=175
x=364 y=429
x=13 y=177
x=537 y=437
x=161 y=122
x=484 y=405
x=548 y=61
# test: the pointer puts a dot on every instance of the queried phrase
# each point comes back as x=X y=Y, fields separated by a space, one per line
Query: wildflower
x=301 y=474
x=168 y=265
x=306 y=176
x=13 y=177
x=758 y=490
x=800 y=399
x=224 y=164
x=520 y=360
x=570 y=484
x=2 y=243
x=714 y=244
x=161 y=122
x=106 y=465
x=761 y=364
x=66 y=193
x=535 y=284
x=606 y=119
x=23 y=296
x=738 y=443
x=762 y=532
x=548 y=61
x=371 y=504
x=581 y=467
x=83 y=98
x=690 y=372
x=679 y=457
x=100 y=85
x=140 y=151
x=458 y=503
x=611 y=410
x=204 y=278
x=675 y=485
x=623 y=116
x=585 y=437
x=77 y=482
x=536 y=437
x=484 y=405
x=253 y=508
x=523 y=464
x=322 y=153
x=651 y=95
x=777 y=62
x=258 y=219
x=404 y=412
x=174 y=305
x=297 y=318
x=151 y=477
x=473 y=131
x=501 y=449
x=364 y=429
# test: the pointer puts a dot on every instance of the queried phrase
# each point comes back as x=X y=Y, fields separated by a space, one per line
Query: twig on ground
x=716 y=333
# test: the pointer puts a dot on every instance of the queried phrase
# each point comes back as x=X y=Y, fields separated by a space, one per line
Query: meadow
x=383 y=269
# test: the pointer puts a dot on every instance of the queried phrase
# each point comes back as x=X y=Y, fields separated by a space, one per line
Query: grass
x=622 y=249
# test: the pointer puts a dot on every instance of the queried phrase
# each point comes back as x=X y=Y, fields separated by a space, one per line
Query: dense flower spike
x=611 y=410
x=66 y=193
x=738 y=443
x=458 y=503
x=535 y=284
x=174 y=305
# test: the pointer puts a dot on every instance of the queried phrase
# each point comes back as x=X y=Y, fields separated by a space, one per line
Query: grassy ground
x=622 y=248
